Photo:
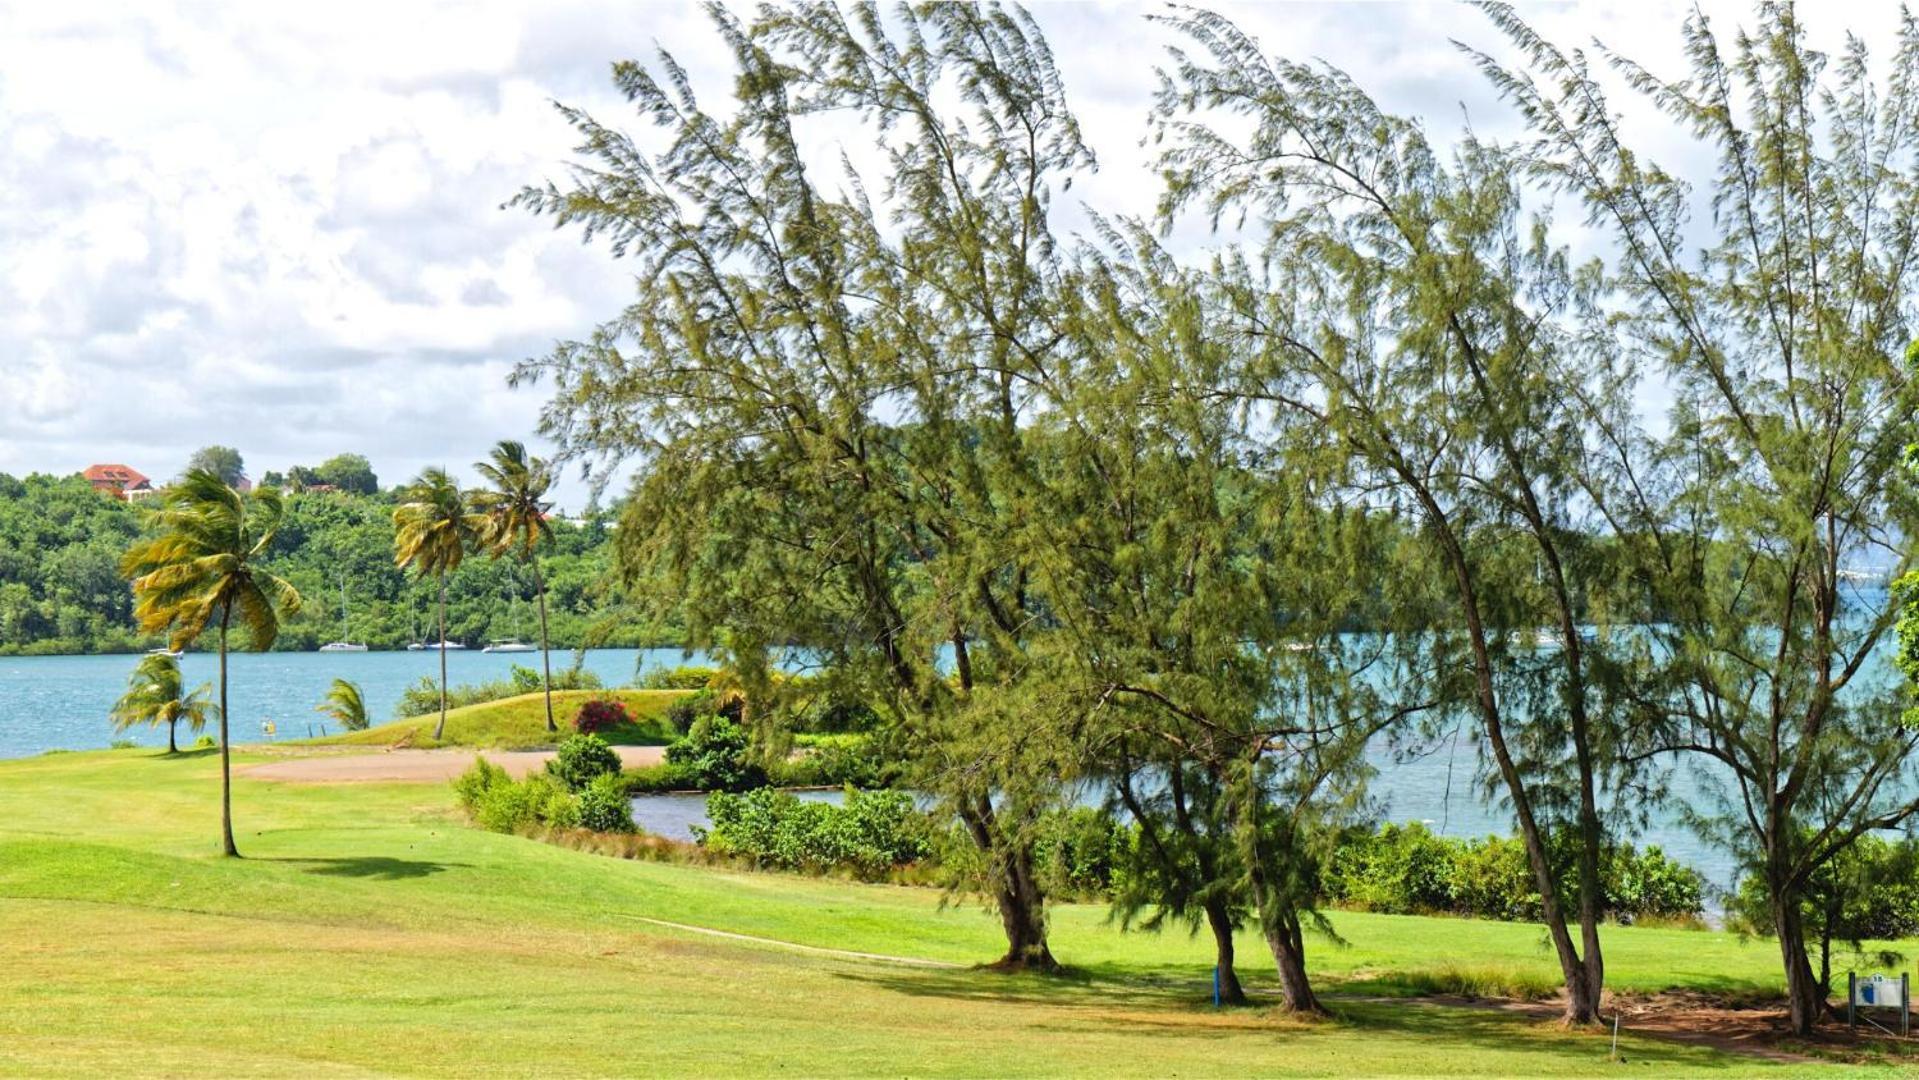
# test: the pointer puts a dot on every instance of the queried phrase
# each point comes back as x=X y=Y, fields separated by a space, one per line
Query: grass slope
x=369 y=931
x=518 y=723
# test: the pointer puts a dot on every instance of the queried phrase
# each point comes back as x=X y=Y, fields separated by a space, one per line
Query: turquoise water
x=61 y=702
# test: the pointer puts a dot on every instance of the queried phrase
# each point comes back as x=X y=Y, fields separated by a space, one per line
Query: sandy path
x=420 y=766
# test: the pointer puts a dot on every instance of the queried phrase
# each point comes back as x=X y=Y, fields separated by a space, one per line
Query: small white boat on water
x=342 y=646
x=425 y=646
x=508 y=647
x=171 y=654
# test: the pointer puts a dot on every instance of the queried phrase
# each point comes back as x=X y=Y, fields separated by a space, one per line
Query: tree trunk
x=440 y=730
x=1278 y=921
x=172 y=746
x=1288 y=943
x=546 y=656
x=1221 y=920
x=226 y=762
x=1016 y=891
x=1802 y=990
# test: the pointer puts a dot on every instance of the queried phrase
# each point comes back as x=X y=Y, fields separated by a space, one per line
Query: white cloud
x=279 y=226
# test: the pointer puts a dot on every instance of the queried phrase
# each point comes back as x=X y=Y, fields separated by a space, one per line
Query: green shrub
x=423 y=697
x=873 y=832
x=481 y=777
x=1869 y=892
x=122 y=744
x=604 y=806
x=206 y=742
x=713 y=756
x=1405 y=869
x=580 y=759
x=649 y=779
x=509 y=807
x=684 y=712
x=1077 y=851
x=563 y=809
x=835 y=761
x=684 y=677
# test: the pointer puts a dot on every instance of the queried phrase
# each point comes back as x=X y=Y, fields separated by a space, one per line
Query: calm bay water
x=61 y=702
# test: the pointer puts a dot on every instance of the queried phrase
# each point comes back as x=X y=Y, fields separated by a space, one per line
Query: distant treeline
x=61 y=590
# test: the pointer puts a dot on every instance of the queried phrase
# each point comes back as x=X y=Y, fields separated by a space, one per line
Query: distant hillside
x=61 y=589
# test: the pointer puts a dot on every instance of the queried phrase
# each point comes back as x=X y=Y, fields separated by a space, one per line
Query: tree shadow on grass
x=376 y=867
x=1153 y=1007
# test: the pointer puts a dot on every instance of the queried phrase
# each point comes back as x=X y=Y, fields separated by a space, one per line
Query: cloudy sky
x=279 y=226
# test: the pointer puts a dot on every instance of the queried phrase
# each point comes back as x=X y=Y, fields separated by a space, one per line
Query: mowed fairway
x=370 y=931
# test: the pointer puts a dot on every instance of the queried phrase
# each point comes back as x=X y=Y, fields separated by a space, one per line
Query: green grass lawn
x=518 y=723
x=370 y=931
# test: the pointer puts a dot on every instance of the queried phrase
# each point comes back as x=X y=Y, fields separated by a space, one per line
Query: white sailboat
x=342 y=646
x=509 y=645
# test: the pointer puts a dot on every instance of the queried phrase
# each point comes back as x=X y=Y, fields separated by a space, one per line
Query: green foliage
x=348 y=472
x=222 y=461
x=1079 y=850
x=871 y=833
x=840 y=761
x=605 y=806
x=684 y=677
x=60 y=585
x=1870 y=891
x=423 y=697
x=205 y=742
x=61 y=591
x=479 y=778
x=582 y=759
x=714 y=755
x=1406 y=869
x=346 y=704
x=682 y=713
x=512 y=807
x=500 y=804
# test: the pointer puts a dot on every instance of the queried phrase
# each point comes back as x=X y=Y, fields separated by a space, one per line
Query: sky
x=279 y=227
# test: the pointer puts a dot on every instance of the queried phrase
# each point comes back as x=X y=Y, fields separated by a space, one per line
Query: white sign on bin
x=1879 y=992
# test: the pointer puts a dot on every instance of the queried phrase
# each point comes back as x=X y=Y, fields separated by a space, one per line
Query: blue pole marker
x=1215 y=986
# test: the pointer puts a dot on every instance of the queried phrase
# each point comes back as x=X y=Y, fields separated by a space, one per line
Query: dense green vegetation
x=1081 y=509
x=369 y=932
x=61 y=591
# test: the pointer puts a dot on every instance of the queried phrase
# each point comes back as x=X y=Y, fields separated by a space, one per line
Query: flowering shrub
x=599 y=715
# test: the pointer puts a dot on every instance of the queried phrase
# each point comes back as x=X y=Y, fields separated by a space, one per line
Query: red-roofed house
x=120 y=481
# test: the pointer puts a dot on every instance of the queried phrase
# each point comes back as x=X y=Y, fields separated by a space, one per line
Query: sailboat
x=342 y=646
x=509 y=645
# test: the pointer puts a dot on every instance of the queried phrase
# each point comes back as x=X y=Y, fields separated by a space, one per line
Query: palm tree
x=202 y=569
x=433 y=530
x=515 y=509
x=345 y=704
x=157 y=695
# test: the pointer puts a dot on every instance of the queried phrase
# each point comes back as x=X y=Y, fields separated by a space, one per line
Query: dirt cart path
x=420 y=766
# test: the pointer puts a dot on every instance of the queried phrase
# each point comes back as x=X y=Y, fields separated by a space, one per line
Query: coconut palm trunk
x=441 y=729
x=546 y=652
x=172 y=746
x=226 y=757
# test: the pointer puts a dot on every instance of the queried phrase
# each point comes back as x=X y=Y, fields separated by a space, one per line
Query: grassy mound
x=519 y=723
